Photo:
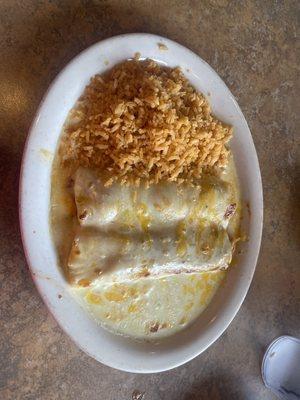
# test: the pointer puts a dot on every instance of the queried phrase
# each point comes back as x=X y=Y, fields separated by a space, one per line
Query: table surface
x=252 y=46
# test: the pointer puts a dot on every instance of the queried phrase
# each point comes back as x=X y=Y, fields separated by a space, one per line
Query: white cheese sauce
x=145 y=308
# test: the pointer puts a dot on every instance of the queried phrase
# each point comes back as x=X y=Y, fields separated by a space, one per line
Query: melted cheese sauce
x=150 y=308
x=147 y=308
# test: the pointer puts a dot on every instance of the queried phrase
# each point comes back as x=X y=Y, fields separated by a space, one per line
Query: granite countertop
x=252 y=45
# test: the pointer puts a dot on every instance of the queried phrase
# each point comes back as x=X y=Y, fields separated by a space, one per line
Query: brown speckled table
x=253 y=46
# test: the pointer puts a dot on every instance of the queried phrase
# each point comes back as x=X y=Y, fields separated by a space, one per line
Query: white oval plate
x=116 y=351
